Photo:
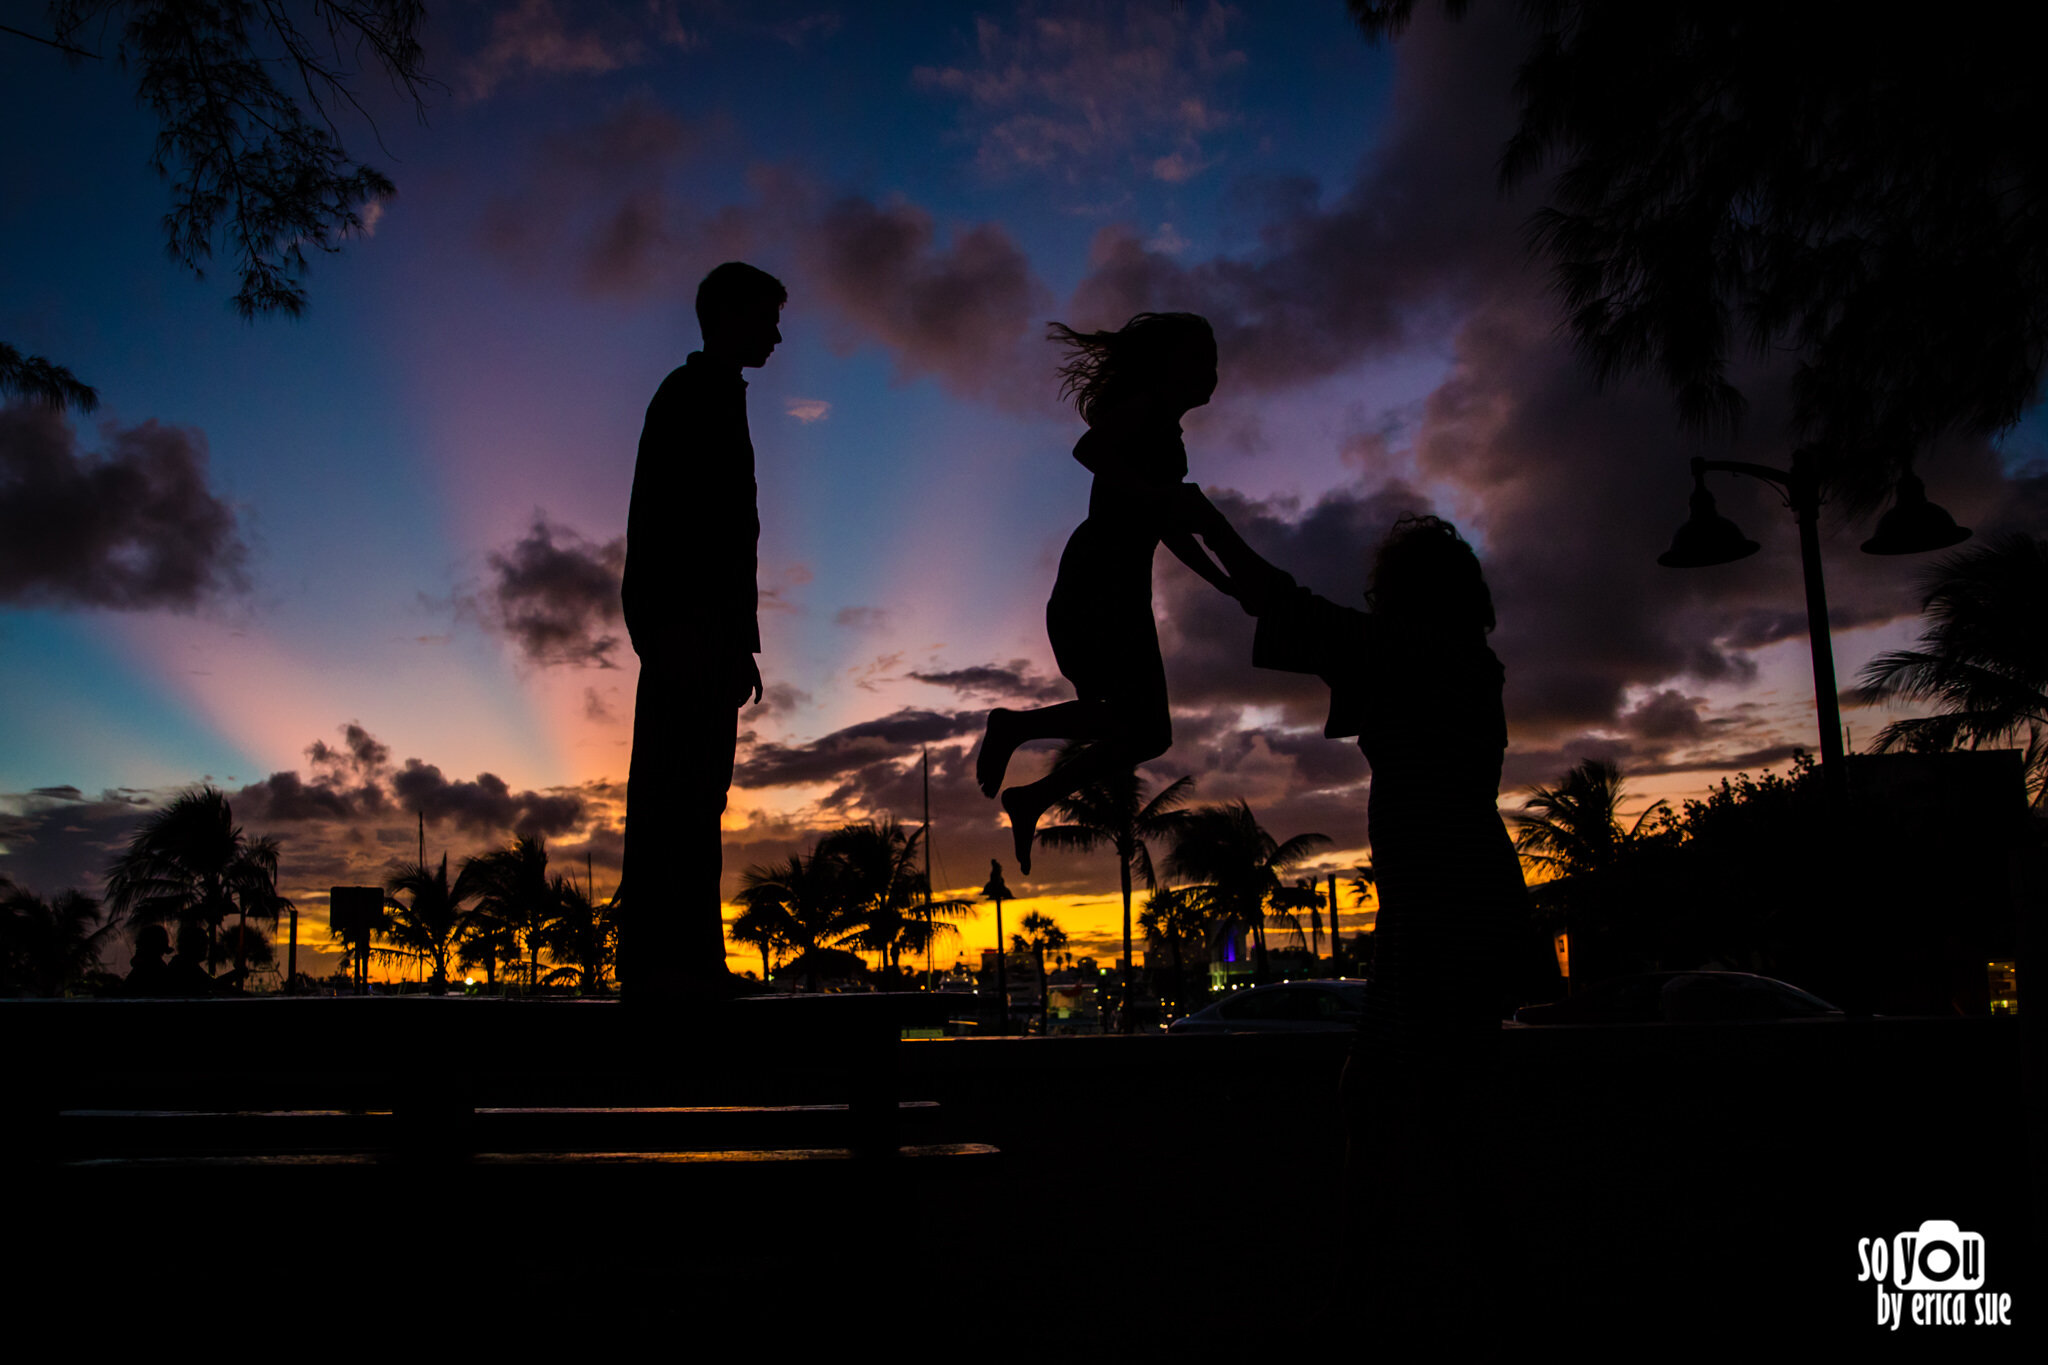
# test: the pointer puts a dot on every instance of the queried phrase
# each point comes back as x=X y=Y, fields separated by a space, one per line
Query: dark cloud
x=997 y=682
x=2022 y=506
x=542 y=38
x=1667 y=715
x=601 y=188
x=1207 y=637
x=860 y=618
x=56 y=838
x=961 y=306
x=1100 y=91
x=967 y=313
x=288 y=797
x=348 y=783
x=1332 y=281
x=339 y=824
x=556 y=596
x=1777 y=756
x=361 y=752
x=846 y=751
x=487 y=803
x=134 y=528
x=1577 y=493
x=781 y=699
x=803 y=29
x=356 y=784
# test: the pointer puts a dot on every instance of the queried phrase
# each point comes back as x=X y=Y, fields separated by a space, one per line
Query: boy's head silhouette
x=737 y=306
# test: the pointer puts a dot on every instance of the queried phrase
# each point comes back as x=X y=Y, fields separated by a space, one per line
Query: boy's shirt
x=693 y=531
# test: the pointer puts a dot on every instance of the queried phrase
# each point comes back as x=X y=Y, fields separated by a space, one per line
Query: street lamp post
x=1912 y=526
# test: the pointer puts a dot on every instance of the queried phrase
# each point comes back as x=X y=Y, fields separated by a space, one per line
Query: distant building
x=1230 y=956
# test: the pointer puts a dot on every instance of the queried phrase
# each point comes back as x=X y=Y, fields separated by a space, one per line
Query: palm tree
x=1042 y=934
x=1111 y=810
x=47 y=946
x=801 y=906
x=517 y=896
x=997 y=891
x=1365 y=886
x=584 y=937
x=886 y=892
x=436 y=917
x=1575 y=827
x=759 y=927
x=1237 y=865
x=243 y=945
x=1983 y=657
x=486 y=942
x=191 y=865
x=1574 y=831
x=1175 y=920
x=1289 y=901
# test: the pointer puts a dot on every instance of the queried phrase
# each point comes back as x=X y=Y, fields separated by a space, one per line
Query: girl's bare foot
x=1023 y=825
x=998 y=742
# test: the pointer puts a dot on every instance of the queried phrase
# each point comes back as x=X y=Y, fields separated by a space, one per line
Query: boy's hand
x=746 y=677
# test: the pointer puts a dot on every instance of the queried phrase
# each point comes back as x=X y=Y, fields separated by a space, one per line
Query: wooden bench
x=447 y=1082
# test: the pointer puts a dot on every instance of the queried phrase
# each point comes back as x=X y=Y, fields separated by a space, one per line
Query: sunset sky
x=362 y=565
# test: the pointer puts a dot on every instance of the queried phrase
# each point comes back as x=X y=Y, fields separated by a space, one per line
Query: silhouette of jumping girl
x=1132 y=387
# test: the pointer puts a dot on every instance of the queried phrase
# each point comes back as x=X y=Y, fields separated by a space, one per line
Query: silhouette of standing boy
x=689 y=598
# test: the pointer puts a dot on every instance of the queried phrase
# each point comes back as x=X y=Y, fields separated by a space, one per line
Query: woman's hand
x=1194 y=510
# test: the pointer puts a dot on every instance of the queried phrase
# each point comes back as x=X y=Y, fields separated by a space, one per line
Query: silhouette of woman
x=1414 y=680
x=1132 y=386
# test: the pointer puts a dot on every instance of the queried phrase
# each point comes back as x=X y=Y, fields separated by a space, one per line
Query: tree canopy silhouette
x=245 y=97
x=583 y=940
x=1236 y=864
x=802 y=906
x=1575 y=827
x=435 y=914
x=1111 y=810
x=1042 y=934
x=886 y=896
x=1983 y=657
x=48 y=945
x=1865 y=192
x=190 y=865
x=516 y=896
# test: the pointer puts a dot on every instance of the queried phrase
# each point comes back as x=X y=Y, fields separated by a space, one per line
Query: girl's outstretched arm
x=1257 y=582
x=1189 y=552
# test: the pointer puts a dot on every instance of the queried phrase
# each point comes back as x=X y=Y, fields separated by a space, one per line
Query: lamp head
x=1707 y=537
x=1914 y=525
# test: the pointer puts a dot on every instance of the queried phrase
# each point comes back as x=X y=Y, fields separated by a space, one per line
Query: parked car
x=1681 y=998
x=1288 y=1007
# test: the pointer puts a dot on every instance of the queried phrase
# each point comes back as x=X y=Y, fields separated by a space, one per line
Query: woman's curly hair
x=1100 y=364
x=1425 y=572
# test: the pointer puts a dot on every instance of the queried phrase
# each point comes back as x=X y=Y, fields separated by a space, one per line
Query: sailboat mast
x=927 y=867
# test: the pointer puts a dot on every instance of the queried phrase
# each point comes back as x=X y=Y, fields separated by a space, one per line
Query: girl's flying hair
x=1104 y=364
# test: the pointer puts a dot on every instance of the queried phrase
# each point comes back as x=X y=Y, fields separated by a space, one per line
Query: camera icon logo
x=1939 y=1257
